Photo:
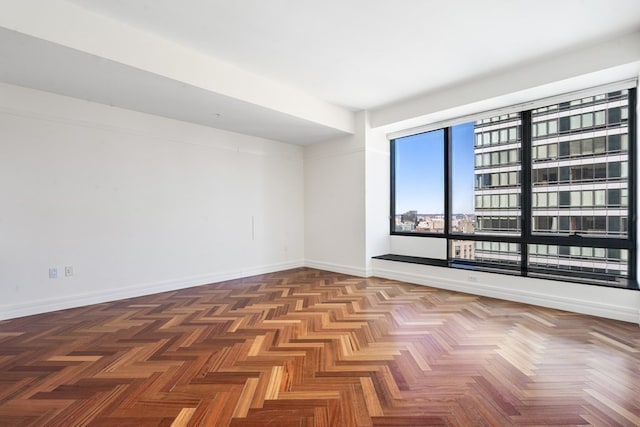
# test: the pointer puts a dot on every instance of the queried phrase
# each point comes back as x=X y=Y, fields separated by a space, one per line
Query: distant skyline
x=420 y=171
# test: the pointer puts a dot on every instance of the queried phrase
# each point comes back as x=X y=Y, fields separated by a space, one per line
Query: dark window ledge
x=610 y=282
x=414 y=260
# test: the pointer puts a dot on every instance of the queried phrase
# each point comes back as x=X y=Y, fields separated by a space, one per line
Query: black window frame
x=526 y=236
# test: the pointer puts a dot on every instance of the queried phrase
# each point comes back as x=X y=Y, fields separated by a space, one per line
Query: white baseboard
x=79 y=300
x=264 y=269
x=625 y=304
x=337 y=268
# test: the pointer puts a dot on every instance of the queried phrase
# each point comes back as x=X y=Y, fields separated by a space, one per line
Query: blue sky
x=420 y=171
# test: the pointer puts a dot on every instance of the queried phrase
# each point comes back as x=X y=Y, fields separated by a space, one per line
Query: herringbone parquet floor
x=312 y=348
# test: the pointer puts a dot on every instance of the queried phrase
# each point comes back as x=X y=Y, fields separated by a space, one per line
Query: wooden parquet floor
x=311 y=348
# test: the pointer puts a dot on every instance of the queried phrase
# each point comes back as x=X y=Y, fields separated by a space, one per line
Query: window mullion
x=447 y=184
x=525 y=190
x=392 y=187
x=632 y=220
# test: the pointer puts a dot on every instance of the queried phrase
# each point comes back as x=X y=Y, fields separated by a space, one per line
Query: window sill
x=514 y=271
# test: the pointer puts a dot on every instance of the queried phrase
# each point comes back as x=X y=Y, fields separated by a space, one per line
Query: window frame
x=527 y=236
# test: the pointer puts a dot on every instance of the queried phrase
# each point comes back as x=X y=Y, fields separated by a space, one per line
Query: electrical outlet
x=53 y=273
x=68 y=271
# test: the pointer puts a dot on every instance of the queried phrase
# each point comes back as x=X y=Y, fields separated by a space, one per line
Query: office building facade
x=579 y=183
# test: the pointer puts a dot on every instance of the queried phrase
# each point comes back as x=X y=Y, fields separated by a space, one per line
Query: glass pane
x=563 y=148
x=583 y=261
x=614 y=197
x=495 y=137
x=419 y=183
x=542 y=152
x=575 y=148
x=462 y=178
x=468 y=182
x=575 y=199
x=614 y=115
x=542 y=199
x=589 y=172
x=513 y=156
x=542 y=129
x=484 y=251
x=613 y=142
x=500 y=211
x=504 y=157
x=574 y=122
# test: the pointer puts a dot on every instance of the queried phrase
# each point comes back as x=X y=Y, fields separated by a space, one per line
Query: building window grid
x=488 y=251
x=562 y=126
x=607 y=171
x=584 y=259
x=590 y=198
x=579 y=252
x=592 y=147
x=594 y=165
x=490 y=137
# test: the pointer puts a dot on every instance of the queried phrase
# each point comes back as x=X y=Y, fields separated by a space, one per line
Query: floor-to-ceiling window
x=547 y=190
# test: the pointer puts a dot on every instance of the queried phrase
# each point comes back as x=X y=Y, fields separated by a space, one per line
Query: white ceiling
x=39 y=64
x=363 y=54
x=356 y=54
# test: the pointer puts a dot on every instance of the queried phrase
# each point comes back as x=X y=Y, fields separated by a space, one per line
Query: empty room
x=319 y=213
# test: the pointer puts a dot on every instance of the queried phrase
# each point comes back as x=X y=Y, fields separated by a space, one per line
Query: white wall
x=377 y=193
x=334 y=191
x=418 y=246
x=135 y=203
